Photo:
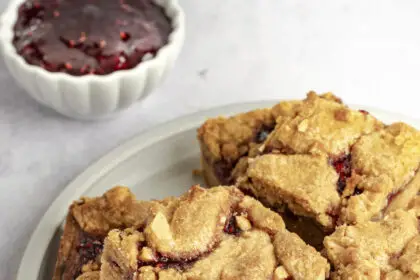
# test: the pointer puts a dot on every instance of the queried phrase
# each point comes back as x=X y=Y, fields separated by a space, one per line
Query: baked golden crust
x=216 y=233
x=93 y=275
x=87 y=224
x=384 y=163
x=233 y=237
x=117 y=208
x=318 y=123
x=298 y=257
x=229 y=138
x=321 y=126
x=306 y=184
x=293 y=169
x=223 y=141
x=388 y=249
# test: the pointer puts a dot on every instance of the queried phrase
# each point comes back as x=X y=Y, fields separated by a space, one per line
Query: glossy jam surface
x=231 y=227
x=342 y=166
x=82 y=37
x=89 y=248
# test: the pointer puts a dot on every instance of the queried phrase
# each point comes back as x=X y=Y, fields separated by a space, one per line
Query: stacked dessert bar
x=304 y=190
x=216 y=233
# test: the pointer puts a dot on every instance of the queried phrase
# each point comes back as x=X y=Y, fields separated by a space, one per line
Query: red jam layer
x=81 y=37
x=231 y=226
x=342 y=166
x=89 y=248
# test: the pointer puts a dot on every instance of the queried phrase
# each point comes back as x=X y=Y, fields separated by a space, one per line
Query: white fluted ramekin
x=92 y=97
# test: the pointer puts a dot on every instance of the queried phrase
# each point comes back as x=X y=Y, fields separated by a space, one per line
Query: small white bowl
x=92 y=97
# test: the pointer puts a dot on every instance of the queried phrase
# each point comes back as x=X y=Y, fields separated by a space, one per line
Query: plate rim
x=55 y=214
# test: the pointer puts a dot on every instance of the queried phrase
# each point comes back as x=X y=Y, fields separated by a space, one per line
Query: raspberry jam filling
x=89 y=248
x=231 y=226
x=81 y=37
x=342 y=166
x=165 y=263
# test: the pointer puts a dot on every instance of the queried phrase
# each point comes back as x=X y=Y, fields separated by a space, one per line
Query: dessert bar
x=316 y=161
x=386 y=249
x=216 y=233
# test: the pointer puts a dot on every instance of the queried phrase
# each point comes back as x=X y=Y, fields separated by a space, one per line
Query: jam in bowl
x=91 y=59
x=82 y=37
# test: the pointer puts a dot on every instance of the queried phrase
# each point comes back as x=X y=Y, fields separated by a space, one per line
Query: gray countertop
x=367 y=52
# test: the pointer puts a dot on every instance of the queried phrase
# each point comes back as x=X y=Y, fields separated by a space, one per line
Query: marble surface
x=368 y=52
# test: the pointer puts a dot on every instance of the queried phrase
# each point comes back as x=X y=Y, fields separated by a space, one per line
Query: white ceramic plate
x=155 y=164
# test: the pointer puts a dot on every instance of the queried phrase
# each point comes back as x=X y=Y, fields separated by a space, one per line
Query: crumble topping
x=387 y=249
x=375 y=164
x=216 y=233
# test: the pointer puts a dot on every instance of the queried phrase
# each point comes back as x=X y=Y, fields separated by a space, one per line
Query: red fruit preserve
x=81 y=37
